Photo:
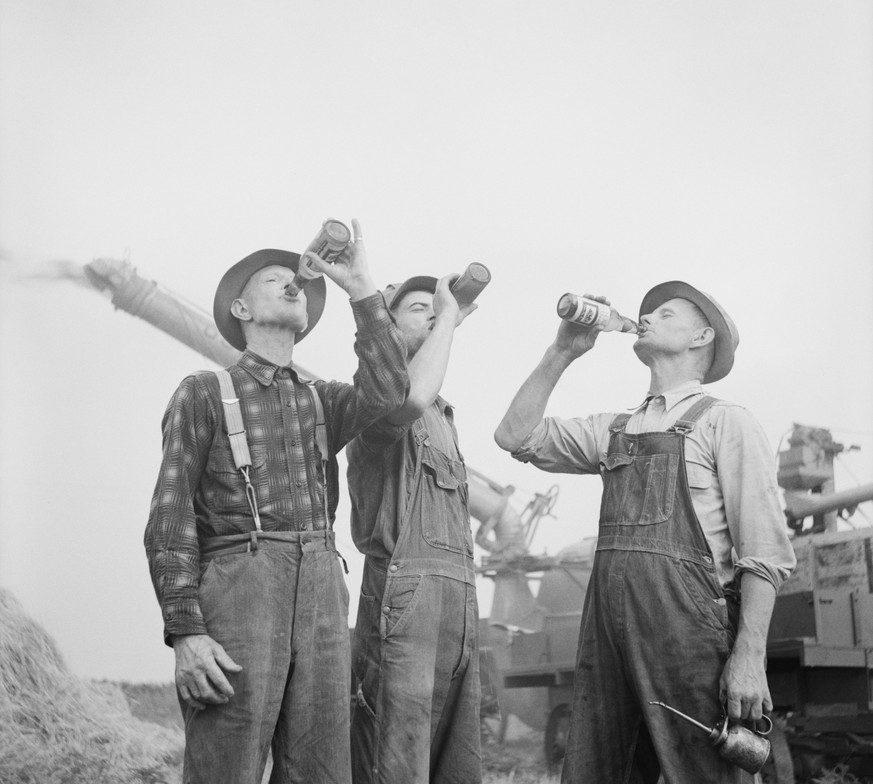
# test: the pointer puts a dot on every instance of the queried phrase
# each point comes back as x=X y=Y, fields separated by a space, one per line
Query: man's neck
x=667 y=374
x=275 y=347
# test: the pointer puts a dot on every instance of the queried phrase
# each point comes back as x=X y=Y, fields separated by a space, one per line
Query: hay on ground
x=56 y=728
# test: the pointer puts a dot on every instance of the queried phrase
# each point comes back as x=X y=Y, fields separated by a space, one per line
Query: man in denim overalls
x=691 y=550
x=415 y=654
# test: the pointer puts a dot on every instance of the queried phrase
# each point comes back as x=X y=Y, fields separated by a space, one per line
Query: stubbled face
x=415 y=319
x=670 y=329
x=266 y=301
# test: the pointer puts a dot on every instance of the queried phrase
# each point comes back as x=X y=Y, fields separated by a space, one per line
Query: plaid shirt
x=200 y=493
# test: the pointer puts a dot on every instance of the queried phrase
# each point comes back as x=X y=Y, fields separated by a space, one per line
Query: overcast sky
x=568 y=145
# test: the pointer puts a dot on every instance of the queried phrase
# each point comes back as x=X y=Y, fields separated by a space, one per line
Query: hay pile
x=56 y=728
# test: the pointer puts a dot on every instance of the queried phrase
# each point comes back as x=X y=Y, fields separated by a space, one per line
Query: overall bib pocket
x=443 y=493
x=623 y=474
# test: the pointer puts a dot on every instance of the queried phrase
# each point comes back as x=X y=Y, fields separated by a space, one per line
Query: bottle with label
x=591 y=313
x=467 y=287
x=329 y=243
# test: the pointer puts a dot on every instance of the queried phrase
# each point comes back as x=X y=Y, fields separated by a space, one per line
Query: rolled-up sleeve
x=747 y=476
x=567 y=446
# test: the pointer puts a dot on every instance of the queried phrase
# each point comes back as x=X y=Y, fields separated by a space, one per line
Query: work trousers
x=281 y=612
x=417 y=716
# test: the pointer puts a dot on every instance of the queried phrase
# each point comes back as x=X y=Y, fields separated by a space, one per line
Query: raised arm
x=381 y=382
x=529 y=404
x=427 y=368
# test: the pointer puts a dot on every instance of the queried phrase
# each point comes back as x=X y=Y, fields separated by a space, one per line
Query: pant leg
x=683 y=633
x=366 y=654
x=247 y=601
x=419 y=718
x=606 y=720
x=456 y=753
x=311 y=744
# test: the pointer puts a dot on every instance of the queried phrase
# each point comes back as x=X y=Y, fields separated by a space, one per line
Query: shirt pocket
x=699 y=476
x=445 y=521
x=638 y=489
x=224 y=485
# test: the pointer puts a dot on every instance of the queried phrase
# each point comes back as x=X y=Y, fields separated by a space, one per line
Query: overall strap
x=686 y=423
x=619 y=423
x=419 y=431
x=239 y=446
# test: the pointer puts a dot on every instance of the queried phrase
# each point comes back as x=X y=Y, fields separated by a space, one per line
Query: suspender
x=236 y=432
x=239 y=444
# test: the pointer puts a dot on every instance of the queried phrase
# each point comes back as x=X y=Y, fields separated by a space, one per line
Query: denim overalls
x=415 y=652
x=657 y=624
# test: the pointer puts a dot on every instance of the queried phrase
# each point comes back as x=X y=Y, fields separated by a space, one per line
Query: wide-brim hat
x=234 y=281
x=727 y=338
x=395 y=292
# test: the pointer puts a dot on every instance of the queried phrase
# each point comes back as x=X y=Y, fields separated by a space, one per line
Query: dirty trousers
x=280 y=612
x=417 y=716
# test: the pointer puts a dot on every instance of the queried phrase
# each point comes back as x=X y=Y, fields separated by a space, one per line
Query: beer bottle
x=329 y=243
x=467 y=287
x=591 y=313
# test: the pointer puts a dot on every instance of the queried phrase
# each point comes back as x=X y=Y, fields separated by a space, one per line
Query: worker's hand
x=743 y=687
x=446 y=306
x=573 y=339
x=350 y=271
x=200 y=666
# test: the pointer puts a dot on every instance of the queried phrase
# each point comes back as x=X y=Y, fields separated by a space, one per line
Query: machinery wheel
x=557 y=729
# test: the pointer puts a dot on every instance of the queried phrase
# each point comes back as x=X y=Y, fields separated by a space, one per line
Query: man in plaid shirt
x=253 y=598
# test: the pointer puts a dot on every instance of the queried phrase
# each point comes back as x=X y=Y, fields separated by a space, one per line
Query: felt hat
x=727 y=338
x=395 y=292
x=234 y=280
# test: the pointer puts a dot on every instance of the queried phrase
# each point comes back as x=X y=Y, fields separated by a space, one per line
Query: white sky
x=568 y=145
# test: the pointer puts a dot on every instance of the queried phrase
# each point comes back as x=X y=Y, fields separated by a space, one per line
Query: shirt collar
x=262 y=370
x=443 y=405
x=675 y=395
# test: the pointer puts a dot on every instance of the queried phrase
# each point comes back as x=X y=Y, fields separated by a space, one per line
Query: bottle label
x=589 y=313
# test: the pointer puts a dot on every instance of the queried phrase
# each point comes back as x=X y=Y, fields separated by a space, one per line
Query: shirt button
x=303 y=527
x=386 y=609
x=707 y=559
x=392 y=568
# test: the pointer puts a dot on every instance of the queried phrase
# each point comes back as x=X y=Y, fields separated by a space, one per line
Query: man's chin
x=641 y=350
